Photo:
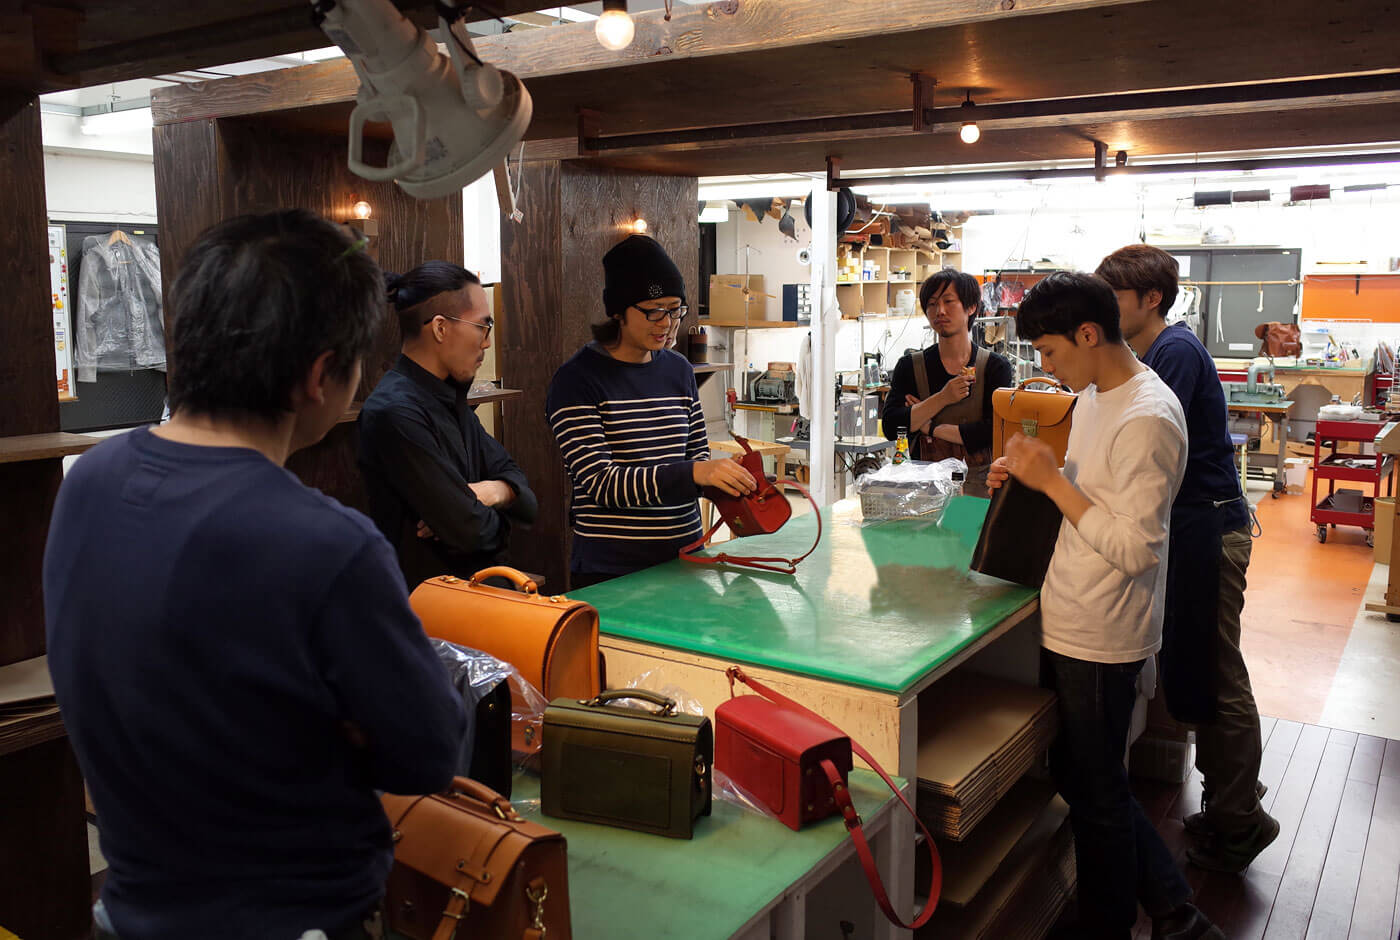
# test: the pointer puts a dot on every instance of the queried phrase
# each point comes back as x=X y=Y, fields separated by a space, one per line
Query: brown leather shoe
x=1198 y=825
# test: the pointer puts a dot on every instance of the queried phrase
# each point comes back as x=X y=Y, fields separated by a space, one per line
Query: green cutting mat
x=876 y=606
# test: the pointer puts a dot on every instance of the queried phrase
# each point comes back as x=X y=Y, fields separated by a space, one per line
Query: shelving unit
x=44 y=446
x=757 y=325
x=896 y=269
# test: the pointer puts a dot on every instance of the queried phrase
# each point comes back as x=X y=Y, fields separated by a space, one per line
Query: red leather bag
x=795 y=762
x=761 y=512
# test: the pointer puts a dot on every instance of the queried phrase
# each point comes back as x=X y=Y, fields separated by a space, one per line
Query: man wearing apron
x=943 y=395
x=1204 y=675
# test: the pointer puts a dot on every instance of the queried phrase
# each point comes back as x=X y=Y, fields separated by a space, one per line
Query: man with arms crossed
x=1101 y=604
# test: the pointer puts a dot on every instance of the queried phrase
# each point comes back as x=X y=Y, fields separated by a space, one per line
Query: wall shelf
x=44 y=446
x=758 y=325
x=484 y=398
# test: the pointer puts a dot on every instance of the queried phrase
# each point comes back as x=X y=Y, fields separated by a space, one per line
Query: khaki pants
x=1229 y=749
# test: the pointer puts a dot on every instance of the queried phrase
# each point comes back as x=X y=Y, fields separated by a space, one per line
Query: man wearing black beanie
x=626 y=412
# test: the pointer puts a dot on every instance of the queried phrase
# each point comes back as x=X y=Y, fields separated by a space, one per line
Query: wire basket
x=902 y=501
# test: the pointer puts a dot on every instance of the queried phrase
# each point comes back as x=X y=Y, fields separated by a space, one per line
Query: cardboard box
x=1385 y=522
x=1295 y=474
x=736 y=299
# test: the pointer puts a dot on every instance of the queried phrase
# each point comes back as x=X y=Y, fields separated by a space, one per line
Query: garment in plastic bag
x=119 y=324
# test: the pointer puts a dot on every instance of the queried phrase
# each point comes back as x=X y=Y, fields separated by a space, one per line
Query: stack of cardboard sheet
x=977 y=737
x=1024 y=898
x=28 y=709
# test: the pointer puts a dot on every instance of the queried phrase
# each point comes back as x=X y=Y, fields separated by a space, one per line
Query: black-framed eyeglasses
x=661 y=313
x=487 y=326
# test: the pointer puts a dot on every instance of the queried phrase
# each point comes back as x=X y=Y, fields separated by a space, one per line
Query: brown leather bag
x=1279 y=339
x=1023 y=410
x=552 y=640
x=467 y=865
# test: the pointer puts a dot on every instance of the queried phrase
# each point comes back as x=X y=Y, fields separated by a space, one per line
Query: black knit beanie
x=635 y=270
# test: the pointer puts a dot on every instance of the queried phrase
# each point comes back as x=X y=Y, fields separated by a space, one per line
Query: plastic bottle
x=958 y=477
x=901 y=446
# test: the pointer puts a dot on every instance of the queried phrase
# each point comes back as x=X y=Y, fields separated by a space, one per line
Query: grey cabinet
x=1231 y=311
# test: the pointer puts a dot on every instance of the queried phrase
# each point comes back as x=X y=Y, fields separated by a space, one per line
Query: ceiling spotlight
x=970 y=132
x=361 y=210
x=615 y=28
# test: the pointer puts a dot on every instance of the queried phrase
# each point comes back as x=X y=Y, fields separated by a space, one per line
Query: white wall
x=481 y=230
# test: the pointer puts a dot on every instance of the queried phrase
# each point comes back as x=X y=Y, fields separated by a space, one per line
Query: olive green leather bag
x=621 y=766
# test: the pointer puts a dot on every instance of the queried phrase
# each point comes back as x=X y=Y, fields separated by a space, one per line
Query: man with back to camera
x=442 y=490
x=1101 y=604
x=234 y=653
x=955 y=420
x=1204 y=675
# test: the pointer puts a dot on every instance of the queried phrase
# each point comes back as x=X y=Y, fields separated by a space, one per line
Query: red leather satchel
x=795 y=762
x=761 y=512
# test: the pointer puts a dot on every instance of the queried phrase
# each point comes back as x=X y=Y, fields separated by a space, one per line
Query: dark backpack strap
x=920 y=374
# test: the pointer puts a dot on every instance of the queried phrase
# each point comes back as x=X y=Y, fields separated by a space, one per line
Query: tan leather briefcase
x=552 y=640
x=1023 y=410
x=466 y=864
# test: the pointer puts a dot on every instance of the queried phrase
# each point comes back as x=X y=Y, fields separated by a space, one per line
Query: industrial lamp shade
x=454 y=119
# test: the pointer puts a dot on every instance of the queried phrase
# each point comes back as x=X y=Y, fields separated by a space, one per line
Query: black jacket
x=420 y=447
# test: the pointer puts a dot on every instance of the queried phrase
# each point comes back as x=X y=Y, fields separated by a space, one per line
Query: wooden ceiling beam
x=722 y=28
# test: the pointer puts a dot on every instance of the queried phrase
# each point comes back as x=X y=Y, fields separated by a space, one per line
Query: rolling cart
x=1348 y=507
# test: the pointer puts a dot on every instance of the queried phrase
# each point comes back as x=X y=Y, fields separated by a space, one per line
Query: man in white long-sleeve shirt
x=1102 y=602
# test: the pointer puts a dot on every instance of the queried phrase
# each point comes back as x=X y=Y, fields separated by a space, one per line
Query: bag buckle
x=1030 y=427
x=536 y=893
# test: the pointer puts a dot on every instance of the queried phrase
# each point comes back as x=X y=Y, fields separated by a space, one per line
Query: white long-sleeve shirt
x=1103 y=595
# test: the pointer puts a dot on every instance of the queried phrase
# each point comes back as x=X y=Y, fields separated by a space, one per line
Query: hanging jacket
x=119 y=325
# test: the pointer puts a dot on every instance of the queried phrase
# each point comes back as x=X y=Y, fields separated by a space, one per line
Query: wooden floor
x=1334 y=871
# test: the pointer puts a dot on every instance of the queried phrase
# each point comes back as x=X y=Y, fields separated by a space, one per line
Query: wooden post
x=44 y=884
x=552 y=274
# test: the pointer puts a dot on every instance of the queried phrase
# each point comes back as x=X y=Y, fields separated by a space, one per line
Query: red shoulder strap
x=852 y=818
x=764 y=562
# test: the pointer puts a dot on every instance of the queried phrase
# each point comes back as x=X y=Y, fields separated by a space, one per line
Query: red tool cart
x=1348 y=507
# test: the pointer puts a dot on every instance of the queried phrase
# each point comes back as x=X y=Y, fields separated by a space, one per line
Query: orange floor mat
x=1300 y=603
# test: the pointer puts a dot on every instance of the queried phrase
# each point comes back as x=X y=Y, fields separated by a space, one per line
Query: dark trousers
x=1120 y=857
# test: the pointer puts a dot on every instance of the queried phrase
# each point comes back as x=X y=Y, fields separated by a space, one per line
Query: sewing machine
x=1256 y=392
x=777 y=384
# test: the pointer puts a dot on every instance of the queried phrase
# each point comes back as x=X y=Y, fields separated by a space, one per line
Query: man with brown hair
x=1204 y=676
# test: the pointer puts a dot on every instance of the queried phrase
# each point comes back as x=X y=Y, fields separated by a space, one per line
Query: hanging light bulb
x=614 y=28
x=970 y=132
x=639 y=227
x=361 y=209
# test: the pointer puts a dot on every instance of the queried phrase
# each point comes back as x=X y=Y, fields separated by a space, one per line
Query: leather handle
x=465 y=786
x=744 y=443
x=513 y=575
x=1038 y=380
x=667 y=705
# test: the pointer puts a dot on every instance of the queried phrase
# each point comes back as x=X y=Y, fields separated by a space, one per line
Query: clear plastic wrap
x=474 y=675
x=913 y=489
x=119 y=323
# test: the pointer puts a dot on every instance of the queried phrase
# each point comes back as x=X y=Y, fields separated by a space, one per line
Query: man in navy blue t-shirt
x=1204 y=676
x=234 y=653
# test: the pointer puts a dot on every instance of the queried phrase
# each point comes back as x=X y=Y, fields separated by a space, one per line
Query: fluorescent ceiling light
x=129 y=121
x=755 y=189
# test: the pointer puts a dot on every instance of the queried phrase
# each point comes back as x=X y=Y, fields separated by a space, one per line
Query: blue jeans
x=1121 y=858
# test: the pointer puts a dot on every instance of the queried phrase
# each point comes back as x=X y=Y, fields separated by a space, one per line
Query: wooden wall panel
x=248 y=165
x=27 y=376
x=553 y=272
x=45 y=889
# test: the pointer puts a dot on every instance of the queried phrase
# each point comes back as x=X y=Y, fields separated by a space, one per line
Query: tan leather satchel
x=467 y=865
x=1023 y=410
x=552 y=640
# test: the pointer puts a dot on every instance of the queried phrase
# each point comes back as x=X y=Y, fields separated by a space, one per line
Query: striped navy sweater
x=629 y=434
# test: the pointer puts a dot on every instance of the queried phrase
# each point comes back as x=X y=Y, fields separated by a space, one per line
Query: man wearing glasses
x=442 y=490
x=626 y=412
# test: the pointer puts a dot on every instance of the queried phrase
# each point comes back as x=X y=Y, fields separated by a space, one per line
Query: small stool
x=1241 y=442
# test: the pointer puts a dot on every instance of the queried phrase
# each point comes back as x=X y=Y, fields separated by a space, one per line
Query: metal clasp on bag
x=536 y=893
x=1030 y=427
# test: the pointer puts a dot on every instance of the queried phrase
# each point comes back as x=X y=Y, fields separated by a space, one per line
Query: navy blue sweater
x=630 y=434
x=1181 y=361
x=213 y=625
